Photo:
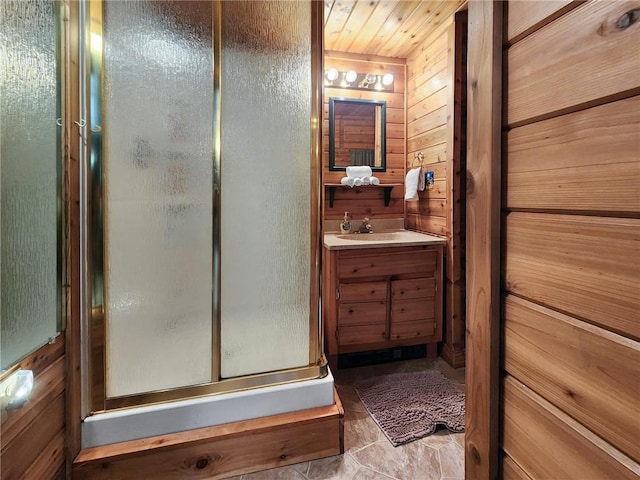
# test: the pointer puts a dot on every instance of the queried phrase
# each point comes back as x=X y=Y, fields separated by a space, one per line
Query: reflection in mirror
x=30 y=260
x=357 y=133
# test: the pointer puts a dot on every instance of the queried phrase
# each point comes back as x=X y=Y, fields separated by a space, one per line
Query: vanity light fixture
x=360 y=81
x=350 y=76
x=368 y=79
x=332 y=74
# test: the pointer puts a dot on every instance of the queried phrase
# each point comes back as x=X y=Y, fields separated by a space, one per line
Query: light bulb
x=370 y=78
x=350 y=76
x=332 y=74
x=387 y=79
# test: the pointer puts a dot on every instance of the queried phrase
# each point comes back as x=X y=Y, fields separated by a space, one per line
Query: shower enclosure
x=200 y=200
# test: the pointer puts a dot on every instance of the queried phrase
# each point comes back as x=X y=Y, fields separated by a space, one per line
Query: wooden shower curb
x=221 y=451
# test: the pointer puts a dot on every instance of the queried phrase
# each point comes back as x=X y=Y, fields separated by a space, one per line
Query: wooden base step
x=221 y=451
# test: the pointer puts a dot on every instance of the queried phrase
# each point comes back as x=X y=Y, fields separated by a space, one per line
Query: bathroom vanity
x=381 y=290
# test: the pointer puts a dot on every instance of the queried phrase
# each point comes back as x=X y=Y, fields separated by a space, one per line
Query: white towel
x=356 y=182
x=411 y=184
x=358 y=172
x=347 y=181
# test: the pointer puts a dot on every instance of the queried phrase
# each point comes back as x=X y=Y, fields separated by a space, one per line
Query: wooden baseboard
x=221 y=451
x=33 y=437
x=453 y=355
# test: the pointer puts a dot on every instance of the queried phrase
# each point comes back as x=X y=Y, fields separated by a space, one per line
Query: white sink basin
x=394 y=238
x=370 y=237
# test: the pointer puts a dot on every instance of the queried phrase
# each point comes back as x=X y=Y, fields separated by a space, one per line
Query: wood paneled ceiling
x=378 y=27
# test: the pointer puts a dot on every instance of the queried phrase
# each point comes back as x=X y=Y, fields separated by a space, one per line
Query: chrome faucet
x=365 y=227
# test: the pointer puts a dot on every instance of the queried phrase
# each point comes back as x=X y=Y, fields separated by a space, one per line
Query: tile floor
x=368 y=454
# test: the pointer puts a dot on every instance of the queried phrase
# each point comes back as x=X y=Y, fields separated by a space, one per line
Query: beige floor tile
x=359 y=430
x=452 y=460
x=437 y=439
x=407 y=462
x=303 y=468
x=456 y=375
x=283 y=473
x=366 y=474
x=331 y=466
x=342 y=467
x=459 y=439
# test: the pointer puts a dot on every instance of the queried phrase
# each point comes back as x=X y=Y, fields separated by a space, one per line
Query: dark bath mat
x=409 y=406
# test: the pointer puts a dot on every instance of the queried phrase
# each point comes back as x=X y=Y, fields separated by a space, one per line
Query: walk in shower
x=200 y=167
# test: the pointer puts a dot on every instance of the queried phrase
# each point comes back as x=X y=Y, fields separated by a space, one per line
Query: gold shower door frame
x=95 y=326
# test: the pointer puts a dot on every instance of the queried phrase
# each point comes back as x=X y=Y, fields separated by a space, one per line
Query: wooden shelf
x=386 y=186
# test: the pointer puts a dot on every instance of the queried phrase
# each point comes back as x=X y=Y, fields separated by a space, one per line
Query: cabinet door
x=355 y=265
x=362 y=334
x=363 y=292
x=413 y=288
x=362 y=322
x=402 y=331
x=412 y=318
x=413 y=308
x=362 y=313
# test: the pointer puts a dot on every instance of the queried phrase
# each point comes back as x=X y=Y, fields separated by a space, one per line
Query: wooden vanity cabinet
x=377 y=298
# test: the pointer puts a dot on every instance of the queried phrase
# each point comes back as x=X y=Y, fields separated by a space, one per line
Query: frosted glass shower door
x=265 y=182
x=201 y=189
x=157 y=181
x=30 y=272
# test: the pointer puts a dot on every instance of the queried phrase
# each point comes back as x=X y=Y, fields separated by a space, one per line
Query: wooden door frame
x=484 y=117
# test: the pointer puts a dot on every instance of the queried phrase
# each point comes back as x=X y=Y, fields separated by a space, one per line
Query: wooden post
x=453 y=351
x=483 y=240
x=72 y=181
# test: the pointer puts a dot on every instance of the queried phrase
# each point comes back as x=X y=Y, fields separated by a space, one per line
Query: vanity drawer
x=424 y=328
x=363 y=292
x=413 y=288
x=416 y=309
x=362 y=313
x=361 y=334
x=423 y=263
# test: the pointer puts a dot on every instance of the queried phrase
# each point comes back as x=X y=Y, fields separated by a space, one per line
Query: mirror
x=357 y=132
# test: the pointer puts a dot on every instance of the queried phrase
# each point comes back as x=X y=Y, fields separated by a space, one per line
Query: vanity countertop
x=395 y=238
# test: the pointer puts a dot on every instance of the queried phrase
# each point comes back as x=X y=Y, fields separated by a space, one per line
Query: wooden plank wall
x=427 y=94
x=368 y=201
x=571 y=214
x=436 y=126
x=33 y=437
